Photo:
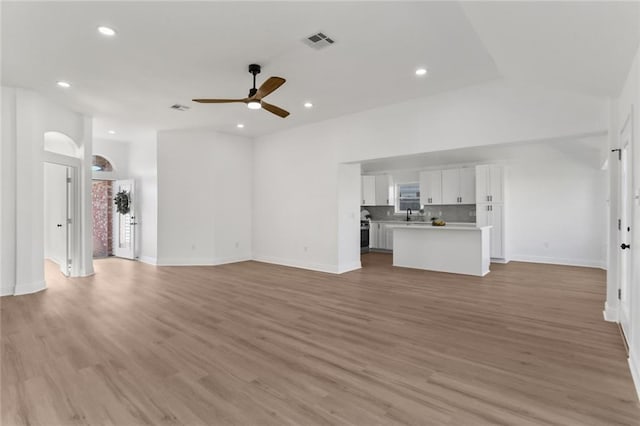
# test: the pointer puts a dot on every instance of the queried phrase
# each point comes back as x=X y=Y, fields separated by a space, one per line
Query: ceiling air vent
x=179 y=107
x=318 y=41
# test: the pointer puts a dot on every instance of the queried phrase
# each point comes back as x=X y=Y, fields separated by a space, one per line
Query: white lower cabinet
x=373 y=235
x=388 y=237
x=381 y=236
x=493 y=215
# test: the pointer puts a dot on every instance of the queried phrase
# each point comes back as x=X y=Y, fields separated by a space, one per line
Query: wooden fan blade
x=269 y=86
x=219 y=101
x=275 y=110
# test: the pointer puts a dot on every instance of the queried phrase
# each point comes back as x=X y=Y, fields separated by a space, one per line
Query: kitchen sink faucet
x=408 y=213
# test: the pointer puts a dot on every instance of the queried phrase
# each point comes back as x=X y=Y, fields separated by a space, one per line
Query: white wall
x=296 y=193
x=26 y=116
x=629 y=99
x=555 y=210
x=204 y=198
x=296 y=170
x=348 y=217
x=143 y=168
x=8 y=193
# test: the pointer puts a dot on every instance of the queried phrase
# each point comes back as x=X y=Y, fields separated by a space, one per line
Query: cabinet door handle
x=624 y=246
x=488 y=198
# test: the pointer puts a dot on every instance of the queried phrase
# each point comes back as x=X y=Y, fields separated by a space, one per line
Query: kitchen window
x=408 y=197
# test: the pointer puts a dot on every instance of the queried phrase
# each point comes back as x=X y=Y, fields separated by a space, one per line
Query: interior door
x=124 y=225
x=57 y=217
x=626 y=197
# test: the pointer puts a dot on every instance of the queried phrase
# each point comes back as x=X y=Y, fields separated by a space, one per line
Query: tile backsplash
x=450 y=213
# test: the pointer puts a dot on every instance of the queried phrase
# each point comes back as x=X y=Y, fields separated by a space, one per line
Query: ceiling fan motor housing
x=254 y=69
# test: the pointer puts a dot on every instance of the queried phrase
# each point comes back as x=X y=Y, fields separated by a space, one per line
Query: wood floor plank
x=259 y=344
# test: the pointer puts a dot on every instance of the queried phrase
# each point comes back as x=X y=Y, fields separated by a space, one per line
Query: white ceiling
x=582 y=46
x=171 y=52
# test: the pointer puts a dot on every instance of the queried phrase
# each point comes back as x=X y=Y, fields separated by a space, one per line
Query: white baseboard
x=349 y=267
x=634 y=366
x=610 y=313
x=201 y=261
x=148 y=260
x=6 y=293
x=499 y=260
x=22 y=289
x=331 y=269
x=559 y=261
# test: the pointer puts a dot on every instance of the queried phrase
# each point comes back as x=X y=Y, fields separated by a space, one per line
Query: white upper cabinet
x=450 y=186
x=384 y=187
x=368 y=190
x=489 y=184
x=431 y=187
x=459 y=186
x=377 y=190
x=468 y=185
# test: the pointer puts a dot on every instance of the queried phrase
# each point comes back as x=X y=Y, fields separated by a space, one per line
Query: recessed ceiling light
x=112 y=132
x=421 y=71
x=64 y=84
x=308 y=104
x=107 y=31
x=254 y=105
x=240 y=126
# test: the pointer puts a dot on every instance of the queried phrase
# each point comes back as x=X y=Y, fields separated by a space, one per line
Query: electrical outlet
x=306 y=248
x=237 y=244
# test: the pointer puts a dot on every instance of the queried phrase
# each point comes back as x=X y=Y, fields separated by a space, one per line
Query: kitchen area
x=439 y=219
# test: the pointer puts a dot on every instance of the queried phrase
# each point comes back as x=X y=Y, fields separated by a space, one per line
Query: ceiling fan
x=254 y=100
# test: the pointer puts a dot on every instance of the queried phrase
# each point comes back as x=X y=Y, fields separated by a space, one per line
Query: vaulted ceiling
x=170 y=52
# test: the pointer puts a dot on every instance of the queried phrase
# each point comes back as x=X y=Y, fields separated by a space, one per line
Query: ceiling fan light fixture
x=254 y=105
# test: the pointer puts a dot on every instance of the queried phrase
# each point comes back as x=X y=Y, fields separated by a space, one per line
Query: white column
x=8 y=193
x=29 y=196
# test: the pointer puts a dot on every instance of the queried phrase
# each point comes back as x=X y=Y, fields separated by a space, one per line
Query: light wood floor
x=258 y=344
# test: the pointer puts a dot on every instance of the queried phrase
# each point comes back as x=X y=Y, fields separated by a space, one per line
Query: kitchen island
x=455 y=249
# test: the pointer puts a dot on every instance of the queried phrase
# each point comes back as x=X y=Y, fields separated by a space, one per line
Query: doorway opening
x=61 y=204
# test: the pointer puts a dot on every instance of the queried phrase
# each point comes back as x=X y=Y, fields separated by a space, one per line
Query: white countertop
x=440 y=228
x=423 y=223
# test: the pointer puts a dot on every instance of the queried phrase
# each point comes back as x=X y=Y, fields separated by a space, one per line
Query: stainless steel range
x=364 y=236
